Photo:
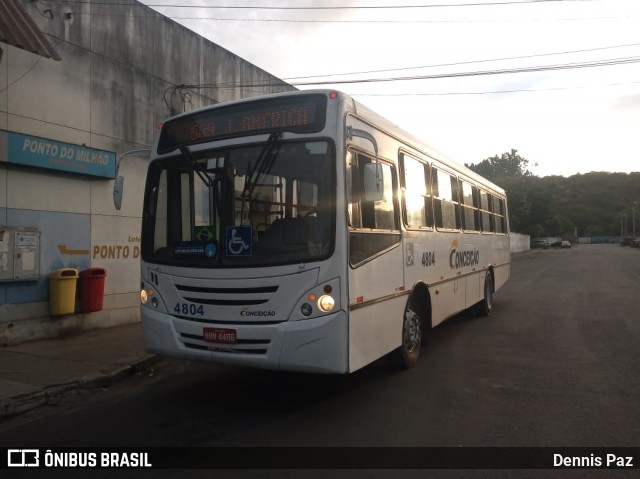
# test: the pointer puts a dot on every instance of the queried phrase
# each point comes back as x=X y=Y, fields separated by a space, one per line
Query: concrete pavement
x=33 y=373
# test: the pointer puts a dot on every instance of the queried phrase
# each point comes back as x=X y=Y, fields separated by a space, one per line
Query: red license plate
x=220 y=335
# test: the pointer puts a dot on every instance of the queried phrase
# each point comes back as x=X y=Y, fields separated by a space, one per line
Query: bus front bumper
x=312 y=345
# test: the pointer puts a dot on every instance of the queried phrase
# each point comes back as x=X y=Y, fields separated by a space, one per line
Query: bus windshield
x=250 y=205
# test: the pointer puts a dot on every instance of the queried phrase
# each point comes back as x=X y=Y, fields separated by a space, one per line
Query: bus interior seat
x=288 y=235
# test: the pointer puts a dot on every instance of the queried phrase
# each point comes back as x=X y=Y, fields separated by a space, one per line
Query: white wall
x=520 y=242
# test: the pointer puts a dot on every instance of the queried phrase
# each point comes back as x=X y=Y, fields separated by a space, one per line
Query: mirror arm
x=119 y=180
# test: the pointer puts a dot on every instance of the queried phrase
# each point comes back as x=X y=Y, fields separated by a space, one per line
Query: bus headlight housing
x=324 y=298
x=150 y=298
x=326 y=303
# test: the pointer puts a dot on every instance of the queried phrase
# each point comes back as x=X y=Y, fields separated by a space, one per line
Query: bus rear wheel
x=409 y=352
x=485 y=306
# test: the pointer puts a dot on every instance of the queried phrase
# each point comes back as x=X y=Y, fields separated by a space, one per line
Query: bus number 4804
x=191 y=309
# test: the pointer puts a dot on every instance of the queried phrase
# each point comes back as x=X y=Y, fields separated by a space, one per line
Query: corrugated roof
x=17 y=28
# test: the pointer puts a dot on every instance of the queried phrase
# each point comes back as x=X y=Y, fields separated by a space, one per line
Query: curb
x=27 y=402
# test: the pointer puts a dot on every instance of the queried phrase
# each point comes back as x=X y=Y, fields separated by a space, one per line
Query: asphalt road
x=556 y=364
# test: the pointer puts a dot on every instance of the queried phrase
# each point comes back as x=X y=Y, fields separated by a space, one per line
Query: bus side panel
x=374 y=331
x=474 y=291
x=502 y=264
x=376 y=291
x=447 y=299
x=502 y=274
x=316 y=345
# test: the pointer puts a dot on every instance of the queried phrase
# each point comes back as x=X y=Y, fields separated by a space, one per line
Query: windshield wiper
x=263 y=165
x=201 y=170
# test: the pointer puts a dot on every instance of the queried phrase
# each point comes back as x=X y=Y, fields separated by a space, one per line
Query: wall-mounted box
x=19 y=254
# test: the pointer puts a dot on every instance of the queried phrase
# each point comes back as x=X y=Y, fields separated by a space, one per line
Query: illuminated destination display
x=299 y=114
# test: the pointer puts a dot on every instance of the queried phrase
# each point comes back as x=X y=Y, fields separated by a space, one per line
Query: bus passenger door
x=376 y=278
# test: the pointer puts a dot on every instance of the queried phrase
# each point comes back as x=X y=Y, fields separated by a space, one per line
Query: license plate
x=220 y=335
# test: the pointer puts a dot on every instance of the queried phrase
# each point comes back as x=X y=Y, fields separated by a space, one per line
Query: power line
x=536 y=69
x=465 y=62
x=285 y=20
x=569 y=66
x=496 y=92
x=369 y=21
x=319 y=8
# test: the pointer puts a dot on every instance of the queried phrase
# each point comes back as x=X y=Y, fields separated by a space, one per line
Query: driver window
x=373 y=224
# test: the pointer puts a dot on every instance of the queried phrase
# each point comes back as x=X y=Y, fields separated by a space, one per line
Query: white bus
x=301 y=231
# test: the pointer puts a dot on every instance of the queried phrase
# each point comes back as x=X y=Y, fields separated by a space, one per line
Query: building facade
x=124 y=68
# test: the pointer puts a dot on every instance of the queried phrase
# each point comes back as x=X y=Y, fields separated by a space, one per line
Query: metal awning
x=18 y=29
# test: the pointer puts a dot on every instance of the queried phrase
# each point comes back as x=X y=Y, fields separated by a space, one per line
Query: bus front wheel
x=409 y=352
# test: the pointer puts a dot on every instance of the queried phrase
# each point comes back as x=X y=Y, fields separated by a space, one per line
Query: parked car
x=556 y=244
x=635 y=243
x=544 y=244
x=565 y=244
x=626 y=241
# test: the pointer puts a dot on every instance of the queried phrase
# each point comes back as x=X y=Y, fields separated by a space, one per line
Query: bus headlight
x=144 y=297
x=326 y=303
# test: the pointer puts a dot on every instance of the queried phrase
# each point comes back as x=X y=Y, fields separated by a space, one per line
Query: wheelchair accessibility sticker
x=239 y=240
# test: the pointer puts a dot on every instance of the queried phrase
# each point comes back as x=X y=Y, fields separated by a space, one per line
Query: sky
x=562 y=114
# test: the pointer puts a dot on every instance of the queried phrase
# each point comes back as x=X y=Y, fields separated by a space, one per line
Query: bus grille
x=220 y=296
x=243 y=346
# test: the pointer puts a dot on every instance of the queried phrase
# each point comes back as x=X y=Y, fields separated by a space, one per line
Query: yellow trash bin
x=62 y=291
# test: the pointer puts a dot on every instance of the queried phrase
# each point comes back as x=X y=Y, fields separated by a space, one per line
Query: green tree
x=595 y=203
x=507 y=165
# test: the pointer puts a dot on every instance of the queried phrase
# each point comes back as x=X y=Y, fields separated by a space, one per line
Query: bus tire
x=409 y=351
x=485 y=306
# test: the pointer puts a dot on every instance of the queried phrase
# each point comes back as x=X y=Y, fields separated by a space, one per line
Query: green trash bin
x=62 y=291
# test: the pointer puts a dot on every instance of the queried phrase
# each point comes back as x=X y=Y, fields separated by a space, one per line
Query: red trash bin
x=92 y=289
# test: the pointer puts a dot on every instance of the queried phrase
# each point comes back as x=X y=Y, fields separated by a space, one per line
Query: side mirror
x=373 y=182
x=118 y=188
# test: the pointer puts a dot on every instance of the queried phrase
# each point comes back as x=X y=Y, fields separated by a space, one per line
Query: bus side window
x=378 y=214
x=374 y=224
x=353 y=191
x=499 y=215
x=417 y=200
x=485 y=212
x=469 y=202
x=369 y=214
x=445 y=192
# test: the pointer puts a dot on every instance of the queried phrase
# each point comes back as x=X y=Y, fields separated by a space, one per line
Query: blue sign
x=55 y=155
x=239 y=240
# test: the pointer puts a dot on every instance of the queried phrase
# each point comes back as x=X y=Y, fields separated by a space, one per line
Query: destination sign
x=299 y=114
